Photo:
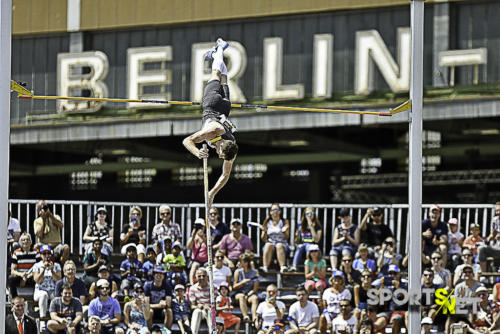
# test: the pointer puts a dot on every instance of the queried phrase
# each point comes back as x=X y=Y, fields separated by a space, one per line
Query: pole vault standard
x=24 y=93
x=213 y=328
x=415 y=161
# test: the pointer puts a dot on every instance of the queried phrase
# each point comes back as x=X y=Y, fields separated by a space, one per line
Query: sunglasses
x=139 y=291
x=104 y=288
x=309 y=213
x=466 y=255
x=428 y=275
x=366 y=276
x=164 y=213
x=275 y=210
x=101 y=213
x=213 y=213
x=436 y=258
x=344 y=305
x=347 y=260
x=219 y=257
x=201 y=276
x=482 y=294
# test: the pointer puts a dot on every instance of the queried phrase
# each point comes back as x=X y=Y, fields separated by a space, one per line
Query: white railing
x=76 y=215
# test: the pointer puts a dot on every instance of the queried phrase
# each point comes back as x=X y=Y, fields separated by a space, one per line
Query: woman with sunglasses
x=352 y=277
x=275 y=232
x=308 y=233
x=134 y=234
x=198 y=244
x=99 y=229
x=361 y=290
x=442 y=276
x=137 y=313
x=222 y=273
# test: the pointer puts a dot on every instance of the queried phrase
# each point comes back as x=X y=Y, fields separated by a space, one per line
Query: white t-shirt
x=14 y=225
x=348 y=325
x=333 y=299
x=268 y=313
x=48 y=282
x=453 y=245
x=220 y=275
x=303 y=316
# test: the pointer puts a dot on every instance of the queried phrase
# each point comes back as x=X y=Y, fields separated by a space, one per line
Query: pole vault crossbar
x=24 y=93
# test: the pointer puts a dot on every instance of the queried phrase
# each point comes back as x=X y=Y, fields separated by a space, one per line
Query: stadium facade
x=346 y=54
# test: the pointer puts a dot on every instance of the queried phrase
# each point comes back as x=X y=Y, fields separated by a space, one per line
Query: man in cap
x=159 y=292
x=103 y=273
x=455 y=241
x=107 y=309
x=435 y=233
x=235 y=243
x=216 y=129
x=373 y=229
x=45 y=274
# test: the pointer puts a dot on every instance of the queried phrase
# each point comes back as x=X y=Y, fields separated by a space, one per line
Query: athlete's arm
x=226 y=172
x=208 y=132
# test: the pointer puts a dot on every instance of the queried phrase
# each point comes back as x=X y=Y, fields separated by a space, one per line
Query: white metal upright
x=415 y=160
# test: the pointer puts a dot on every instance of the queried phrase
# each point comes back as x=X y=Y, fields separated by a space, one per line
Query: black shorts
x=213 y=103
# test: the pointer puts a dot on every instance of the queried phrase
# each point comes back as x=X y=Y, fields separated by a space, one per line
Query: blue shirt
x=147 y=269
x=180 y=310
x=135 y=268
x=370 y=264
x=157 y=293
x=78 y=287
x=104 y=310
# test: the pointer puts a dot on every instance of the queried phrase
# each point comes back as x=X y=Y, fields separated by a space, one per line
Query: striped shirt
x=25 y=259
x=199 y=295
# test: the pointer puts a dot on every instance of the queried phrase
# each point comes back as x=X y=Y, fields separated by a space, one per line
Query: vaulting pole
x=209 y=246
x=5 y=54
x=415 y=160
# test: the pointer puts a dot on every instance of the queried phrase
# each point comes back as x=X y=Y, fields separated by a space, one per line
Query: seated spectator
x=377 y=321
x=398 y=313
x=303 y=313
x=92 y=261
x=361 y=290
x=224 y=306
x=65 y=313
x=331 y=298
x=345 y=238
x=103 y=273
x=149 y=264
x=269 y=310
x=222 y=273
x=199 y=298
x=308 y=233
x=136 y=313
x=198 y=244
x=493 y=240
x=387 y=256
x=469 y=285
x=94 y=325
x=245 y=287
x=467 y=259
x=315 y=271
x=159 y=292
x=496 y=293
x=181 y=308
x=175 y=263
x=48 y=229
x=17 y=317
x=442 y=276
x=45 y=274
x=373 y=229
x=485 y=317
x=134 y=234
x=474 y=240
x=23 y=260
x=366 y=326
x=435 y=234
x=218 y=229
x=352 y=277
x=166 y=227
x=221 y=326
x=13 y=234
x=99 y=229
x=455 y=241
x=345 y=321
x=363 y=262
x=77 y=286
x=163 y=249
x=107 y=309
x=130 y=270
x=235 y=243
x=275 y=232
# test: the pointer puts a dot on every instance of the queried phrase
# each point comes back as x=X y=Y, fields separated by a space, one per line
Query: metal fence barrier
x=76 y=215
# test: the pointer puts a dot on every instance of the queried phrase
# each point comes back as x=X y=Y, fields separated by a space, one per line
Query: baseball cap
x=479 y=290
x=313 y=247
x=337 y=273
x=219 y=320
x=131 y=246
x=362 y=247
x=103 y=267
x=466 y=265
x=45 y=248
x=224 y=284
x=472 y=226
x=394 y=268
x=453 y=221
x=158 y=269
x=426 y=321
x=236 y=221
x=102 y=209
x=435 y=207
x=199 y=221
x=377 y=210
x=179 y=287
x=102 y=282
x=177 y=244
x=344 y=212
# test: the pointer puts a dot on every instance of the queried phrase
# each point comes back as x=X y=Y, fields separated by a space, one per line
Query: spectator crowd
x=161 y=284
